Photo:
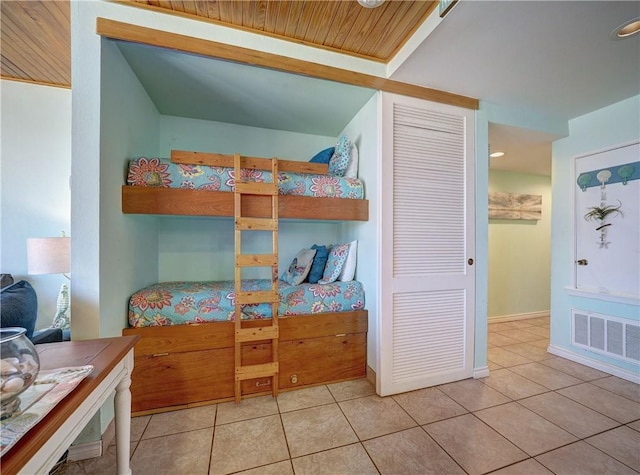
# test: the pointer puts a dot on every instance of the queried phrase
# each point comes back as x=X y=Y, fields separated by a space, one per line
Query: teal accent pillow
x=341 y=157
x=319 y=263
x=335 y=263
x=323 y=156
x=299 y=267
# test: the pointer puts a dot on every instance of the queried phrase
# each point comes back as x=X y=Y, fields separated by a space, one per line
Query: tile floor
x=535 y=414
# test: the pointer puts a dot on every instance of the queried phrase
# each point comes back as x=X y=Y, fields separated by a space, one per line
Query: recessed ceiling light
x=496 y=154
x=627 y=29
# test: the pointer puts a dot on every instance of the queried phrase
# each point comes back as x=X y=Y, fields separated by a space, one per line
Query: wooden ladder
x=269 y=332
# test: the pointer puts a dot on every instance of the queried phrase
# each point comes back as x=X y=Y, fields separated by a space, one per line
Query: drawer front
x=321 y=360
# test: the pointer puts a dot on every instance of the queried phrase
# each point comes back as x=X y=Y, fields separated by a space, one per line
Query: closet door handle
x=582 y=262
x=470 y=262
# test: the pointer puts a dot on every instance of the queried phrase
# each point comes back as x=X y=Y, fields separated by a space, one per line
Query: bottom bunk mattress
x=178 y=303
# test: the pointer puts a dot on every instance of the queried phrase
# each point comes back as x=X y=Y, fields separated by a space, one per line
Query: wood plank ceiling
x=36 y=38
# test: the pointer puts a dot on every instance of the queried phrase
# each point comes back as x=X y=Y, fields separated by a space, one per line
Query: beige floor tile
x=315 y=429
x=529 y=351
x=528 y=467
x=493 y=366
x=410 y=452
x=505 y=358
x=352 y=459
x=138 y=425
x=473 y=394
x=247 y=444
x=548 y=377
x=620 y=386
x=180 y=421
x=374 y=416
x=351 y=389
x=429 y=405
x=503 y=326
x=279 y=468
x=513 y=385
x=473 y=444
x=538 y=321
x=605 y=402
x=540 y=331
x=568 y=414
x=498 y=339
x=105 y=464
x=522 y=335
x=543 y=343
x=304 y=398
x=249 y=408
x=187 y=452
x=574 y=369
x=622 y=444
x=540 y=435
x=635 y=425
x=582 y=459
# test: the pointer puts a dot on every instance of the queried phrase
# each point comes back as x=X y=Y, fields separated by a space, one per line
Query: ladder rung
x=264 y=296
x=256 y=188
x=257 y=334
x=256 y=224
x=256 y=371
x=256 y=260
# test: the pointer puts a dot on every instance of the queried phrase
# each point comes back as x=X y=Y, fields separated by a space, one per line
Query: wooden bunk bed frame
x=176 y=201
x=189 y=365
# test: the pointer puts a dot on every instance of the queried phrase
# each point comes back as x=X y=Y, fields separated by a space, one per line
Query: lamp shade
x=50 y=255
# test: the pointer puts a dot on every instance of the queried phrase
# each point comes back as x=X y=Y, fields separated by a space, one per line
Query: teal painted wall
x=520 y=250
x=614 y=125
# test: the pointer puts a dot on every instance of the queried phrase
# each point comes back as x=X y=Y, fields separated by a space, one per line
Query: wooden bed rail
x=255 y=163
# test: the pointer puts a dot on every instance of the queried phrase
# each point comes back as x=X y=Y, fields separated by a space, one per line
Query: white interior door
x=608 y=252
x=427 y=272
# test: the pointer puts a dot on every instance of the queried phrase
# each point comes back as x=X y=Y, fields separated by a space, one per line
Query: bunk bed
x=182 y=362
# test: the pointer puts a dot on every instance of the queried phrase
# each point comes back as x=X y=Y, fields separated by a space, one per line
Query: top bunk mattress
x=178 y=303
x=163 y=173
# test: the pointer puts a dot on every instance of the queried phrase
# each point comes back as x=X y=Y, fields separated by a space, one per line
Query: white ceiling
x=553 y=59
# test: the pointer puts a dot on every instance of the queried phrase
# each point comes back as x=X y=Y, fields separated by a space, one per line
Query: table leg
x=123 y=425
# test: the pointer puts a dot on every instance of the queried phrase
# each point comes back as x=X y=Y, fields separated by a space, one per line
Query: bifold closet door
x=427 y=269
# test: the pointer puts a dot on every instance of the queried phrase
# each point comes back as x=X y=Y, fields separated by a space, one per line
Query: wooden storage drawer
x=321 y=360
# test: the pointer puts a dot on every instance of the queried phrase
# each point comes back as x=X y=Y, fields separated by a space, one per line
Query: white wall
x=520 y=250
x=35 y=171
x=611 y=126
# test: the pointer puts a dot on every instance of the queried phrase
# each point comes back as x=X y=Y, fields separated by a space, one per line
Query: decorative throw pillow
x=352 y=169
x=319 y=263
x=349 y=268
x=341 y=157
x=337 y=258
x=299 y=267
x=324 y=156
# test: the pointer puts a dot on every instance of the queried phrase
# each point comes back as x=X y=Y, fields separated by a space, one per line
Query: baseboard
x=95 y=448
x=87 y=450
x=634 y=377
x=371 y=376
x=482 y=372
x=517 y=316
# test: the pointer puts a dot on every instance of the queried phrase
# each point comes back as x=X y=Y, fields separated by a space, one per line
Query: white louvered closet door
x=428 y=213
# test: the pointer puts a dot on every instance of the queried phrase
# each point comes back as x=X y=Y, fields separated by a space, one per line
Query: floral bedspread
x=162 y=172
x=177 y=303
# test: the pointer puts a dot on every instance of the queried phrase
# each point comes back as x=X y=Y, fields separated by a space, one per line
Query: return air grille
x=605 y=334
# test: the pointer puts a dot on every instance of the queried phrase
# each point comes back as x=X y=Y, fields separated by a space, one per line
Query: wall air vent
x=612 y=336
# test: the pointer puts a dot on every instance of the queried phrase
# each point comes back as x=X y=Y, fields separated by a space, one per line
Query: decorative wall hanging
x=513 y=206
x=618 y=174
x=600 y=214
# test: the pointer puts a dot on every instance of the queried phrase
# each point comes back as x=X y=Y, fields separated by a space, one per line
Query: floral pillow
x=341 y=157
x=299 y=267
x=337 y=258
